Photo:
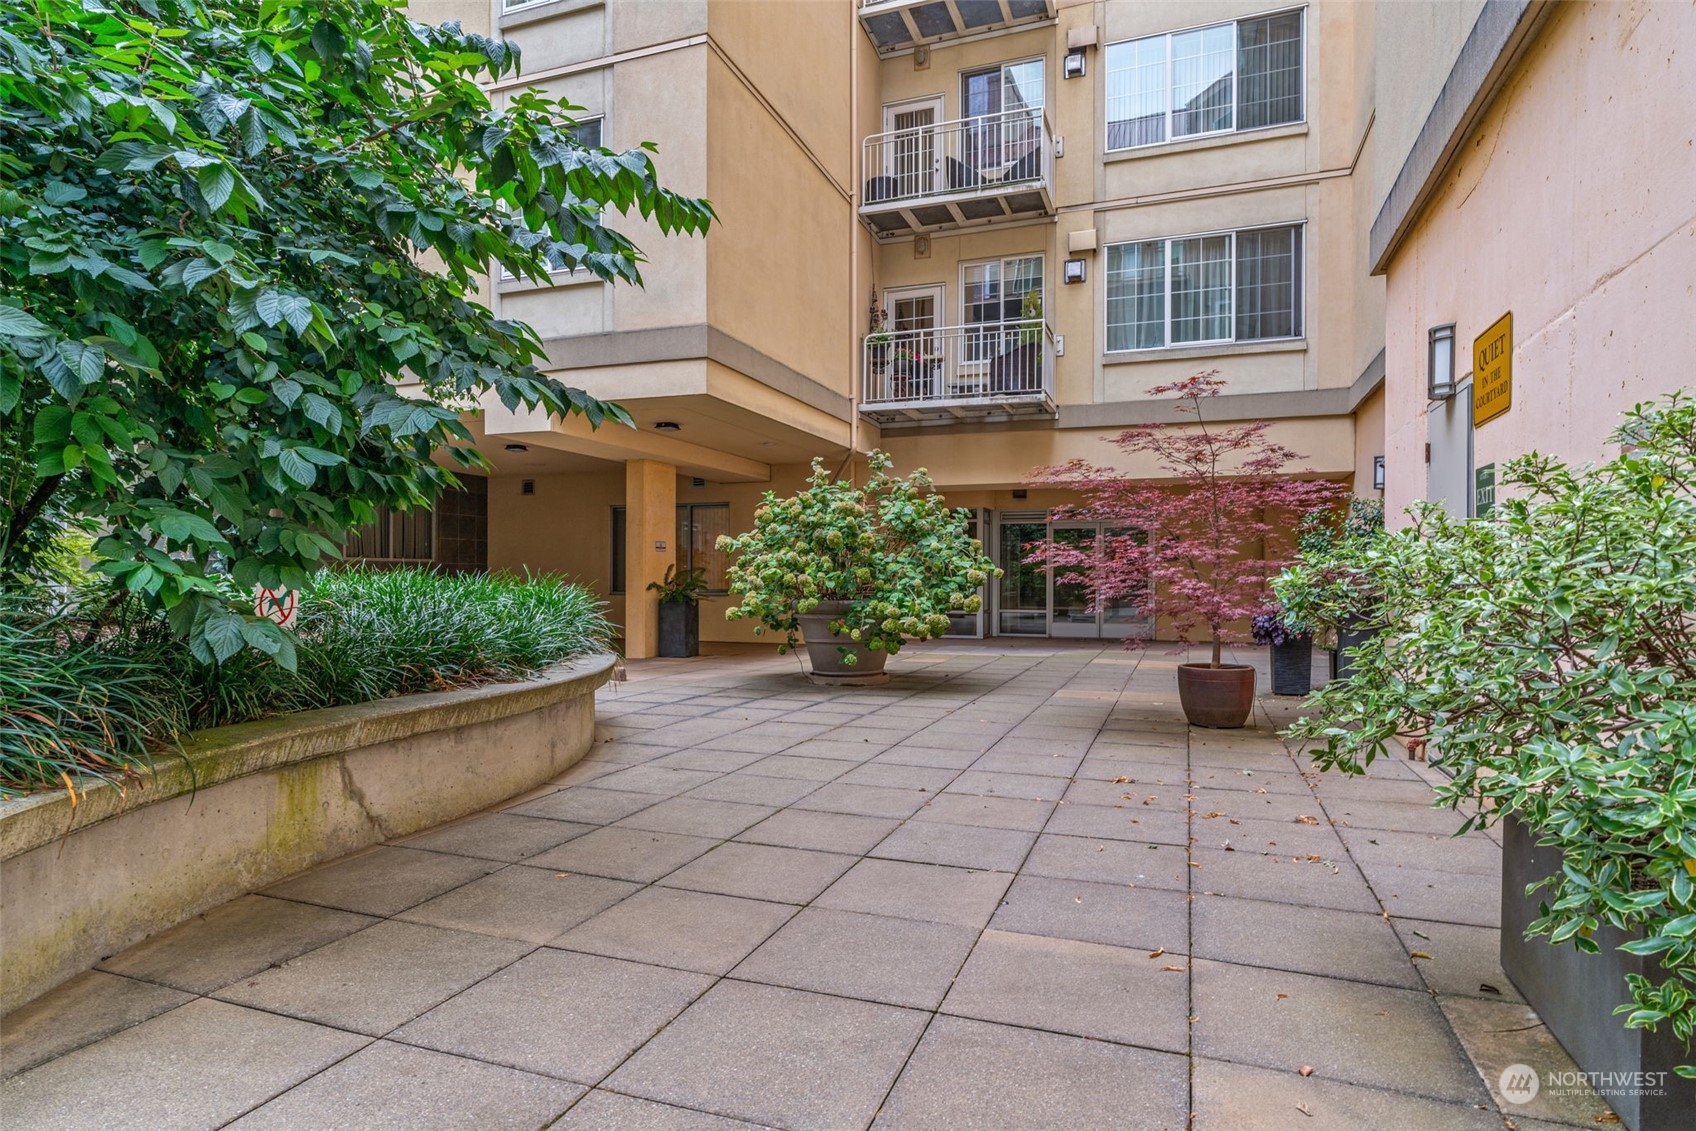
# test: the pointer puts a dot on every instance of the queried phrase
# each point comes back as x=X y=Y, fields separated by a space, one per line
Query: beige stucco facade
x=743 y=356
x=1568 y=199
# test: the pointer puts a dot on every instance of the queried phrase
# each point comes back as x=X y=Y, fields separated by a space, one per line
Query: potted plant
x=1196 y=548
x=1327 y=586
x=680 y=610
x=861 y=568
x=1291 y=650
x=1548 y=653
x=878 y=336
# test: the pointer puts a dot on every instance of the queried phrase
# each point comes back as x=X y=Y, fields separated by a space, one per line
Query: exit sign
x=1484 y=491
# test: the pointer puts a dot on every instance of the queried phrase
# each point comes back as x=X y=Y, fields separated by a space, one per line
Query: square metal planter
x=1575 y=995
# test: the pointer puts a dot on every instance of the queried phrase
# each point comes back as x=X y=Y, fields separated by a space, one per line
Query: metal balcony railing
x=896 y=25
x=953 y=372
x=950 y=174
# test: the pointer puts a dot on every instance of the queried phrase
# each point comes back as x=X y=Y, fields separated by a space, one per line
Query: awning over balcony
x=895 y=25
x=957 y=174
x=979 y=371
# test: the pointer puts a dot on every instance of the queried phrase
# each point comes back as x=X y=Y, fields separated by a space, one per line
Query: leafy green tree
x=229 y=231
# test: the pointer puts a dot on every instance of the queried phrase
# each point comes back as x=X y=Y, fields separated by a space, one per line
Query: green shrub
x=1549 y=655
x=891 y=548
x=361 y=635
x=68 y=709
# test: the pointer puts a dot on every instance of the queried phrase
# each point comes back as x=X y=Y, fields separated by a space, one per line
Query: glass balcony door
x=912 y=158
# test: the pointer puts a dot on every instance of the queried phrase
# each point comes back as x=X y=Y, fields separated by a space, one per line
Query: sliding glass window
x=1245 y=75
x=1240 y=286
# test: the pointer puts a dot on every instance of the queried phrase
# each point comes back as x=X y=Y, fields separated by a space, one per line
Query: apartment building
x=973 y=233
x=1535 y=223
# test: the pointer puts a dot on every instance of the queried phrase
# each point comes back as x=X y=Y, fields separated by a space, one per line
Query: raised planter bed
x=248 y=805
x=1575 y=995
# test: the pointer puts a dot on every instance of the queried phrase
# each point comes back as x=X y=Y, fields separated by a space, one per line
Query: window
x=1232 y=286
x=587 y=133
x=1228 y=77
x=393 y=536
x=1002 y=137
x=698 y=528
x=995 y=294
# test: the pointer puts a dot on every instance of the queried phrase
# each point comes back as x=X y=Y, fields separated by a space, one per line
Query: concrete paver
x=1009 y=889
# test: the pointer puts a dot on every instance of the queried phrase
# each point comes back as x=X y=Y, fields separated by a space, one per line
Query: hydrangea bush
x=890 y=547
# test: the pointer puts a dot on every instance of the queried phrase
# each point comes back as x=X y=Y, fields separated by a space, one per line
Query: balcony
x=958 y=174
x=994 y=370
x=896 y=25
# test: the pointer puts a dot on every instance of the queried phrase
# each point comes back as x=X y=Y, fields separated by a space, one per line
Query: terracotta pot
x=830 y=654
x=1221 y=697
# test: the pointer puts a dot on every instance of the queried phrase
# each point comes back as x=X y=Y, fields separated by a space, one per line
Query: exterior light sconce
x=1440 y=374
x=1021 y=493
x=667 y=426
x=1378 y=473
x=1076 y=64
x=1076 y=271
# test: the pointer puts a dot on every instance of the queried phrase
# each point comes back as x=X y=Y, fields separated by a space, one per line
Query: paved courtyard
x=1011 y=889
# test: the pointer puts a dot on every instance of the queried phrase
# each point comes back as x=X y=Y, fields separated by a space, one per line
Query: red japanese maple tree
x=1198 y=546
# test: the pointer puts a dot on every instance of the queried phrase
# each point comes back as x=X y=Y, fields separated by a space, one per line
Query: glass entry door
x=1021 y=604
x=1031 y=602
x=1071 y=612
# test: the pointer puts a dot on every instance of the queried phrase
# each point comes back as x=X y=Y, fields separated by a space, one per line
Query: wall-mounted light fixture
x=921 y=57
x=667 y=426
x=1076 y=271
x=1440 y=373
x=1378 y=473
x=518 y=447
x=1075 y=64
x=1020 y=493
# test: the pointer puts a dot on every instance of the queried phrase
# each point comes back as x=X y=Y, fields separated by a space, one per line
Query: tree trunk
x=1216 y=651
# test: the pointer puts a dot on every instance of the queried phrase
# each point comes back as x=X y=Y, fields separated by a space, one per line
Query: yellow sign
x=1492 y=371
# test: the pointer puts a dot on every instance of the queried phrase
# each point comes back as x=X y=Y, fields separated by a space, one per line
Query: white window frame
x=1299 y=295
x=964 y=72
x=506 y=276
x=1235 y=128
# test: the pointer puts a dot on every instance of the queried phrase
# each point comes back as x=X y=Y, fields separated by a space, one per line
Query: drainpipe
x=856 y=371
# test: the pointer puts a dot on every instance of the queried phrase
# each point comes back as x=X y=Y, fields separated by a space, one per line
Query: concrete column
x=650 y=528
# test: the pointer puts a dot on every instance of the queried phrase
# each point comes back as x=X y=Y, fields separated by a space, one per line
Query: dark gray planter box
x=680 y=629
x=1341 y=666
x=1575 y=994
x=1292 y=667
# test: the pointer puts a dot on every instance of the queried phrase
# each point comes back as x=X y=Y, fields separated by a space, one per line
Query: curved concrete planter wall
x=248 y=805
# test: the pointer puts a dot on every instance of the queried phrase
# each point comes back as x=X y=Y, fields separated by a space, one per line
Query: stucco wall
x=1416 y=43
x=262 y=801
x=1573 y=205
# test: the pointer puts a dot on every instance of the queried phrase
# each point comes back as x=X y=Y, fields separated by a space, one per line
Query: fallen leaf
x=1193 y=864
x=1304 y=1111
x=1120 y=781
x=1487 y=988
x=1280 y=997
x=1422 y=935
x=1307 y=1070
x=1306 y=819
x=1077 y=899
x=1421 y=954
x=1176 y=969
x=1607 y=1117
x=561 y=875
x=1157 y=953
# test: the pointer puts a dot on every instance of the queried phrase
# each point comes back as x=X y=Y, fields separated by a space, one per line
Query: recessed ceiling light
x=518 y=447
x=668 y=426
